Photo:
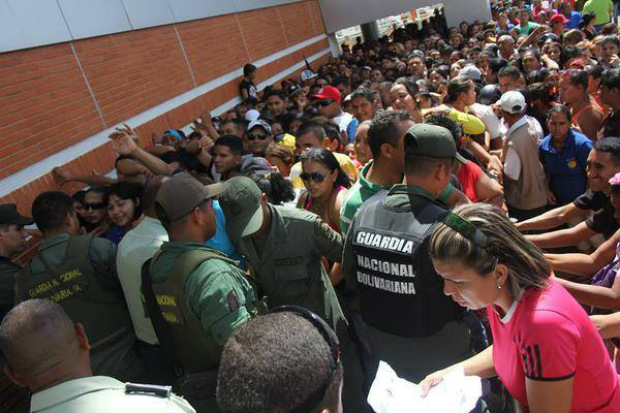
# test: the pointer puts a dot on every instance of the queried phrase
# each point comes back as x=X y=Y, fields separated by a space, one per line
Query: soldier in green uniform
x=59 y=373
x=79 y=273
x=201 y=296
x=283 y=247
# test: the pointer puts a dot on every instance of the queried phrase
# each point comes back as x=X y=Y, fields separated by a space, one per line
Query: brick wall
x=55 y=96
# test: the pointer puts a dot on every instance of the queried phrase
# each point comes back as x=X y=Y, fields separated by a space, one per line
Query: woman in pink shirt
x=546 y=351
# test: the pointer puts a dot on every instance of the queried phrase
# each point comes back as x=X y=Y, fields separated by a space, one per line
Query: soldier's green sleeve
x=348 y=262
x=217 y=299
x=326 y=241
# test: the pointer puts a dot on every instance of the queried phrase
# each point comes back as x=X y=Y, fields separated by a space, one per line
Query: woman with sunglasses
x=95 y=212
x=326 y=185
x=546 y=350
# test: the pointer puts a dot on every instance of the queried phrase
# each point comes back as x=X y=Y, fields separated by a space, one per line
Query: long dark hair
x=127 y=190
x=327 y=158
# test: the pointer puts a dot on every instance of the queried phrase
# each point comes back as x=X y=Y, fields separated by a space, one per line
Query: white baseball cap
x=252 y=115
x=307 y=75
x=512 y=102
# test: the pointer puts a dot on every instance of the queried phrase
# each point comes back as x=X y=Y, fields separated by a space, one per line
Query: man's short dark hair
x=248 y=68
x=611 y=39
x=596 y=71
x=274 y=92
x=384 y=129
x=340 y=81
x=363 y=93
x=233 y=142
x=50 y=210
x=611 y=78
x=312 y=127
x=332 y=131
x=275 y=363
x=444 y=121
x=509 y=71
x=577 y=77
x=610 y=145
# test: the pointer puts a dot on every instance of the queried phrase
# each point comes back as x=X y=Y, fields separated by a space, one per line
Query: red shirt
x=468 y=176
x=549 y=337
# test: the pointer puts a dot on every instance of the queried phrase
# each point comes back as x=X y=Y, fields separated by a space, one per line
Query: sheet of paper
x=391 y=394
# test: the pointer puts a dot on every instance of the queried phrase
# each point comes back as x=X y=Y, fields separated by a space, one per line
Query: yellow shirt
x=471 y=124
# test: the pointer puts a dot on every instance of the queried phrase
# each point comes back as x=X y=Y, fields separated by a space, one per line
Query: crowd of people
x=442 y=198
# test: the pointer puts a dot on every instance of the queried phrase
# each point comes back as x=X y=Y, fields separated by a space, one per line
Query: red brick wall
x=45 y=104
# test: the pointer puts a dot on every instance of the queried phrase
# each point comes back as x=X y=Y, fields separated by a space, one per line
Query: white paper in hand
x=391 y=394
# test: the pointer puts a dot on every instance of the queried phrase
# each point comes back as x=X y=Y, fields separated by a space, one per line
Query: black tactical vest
x=198 y=350
x=400 y=292
x=88 y=298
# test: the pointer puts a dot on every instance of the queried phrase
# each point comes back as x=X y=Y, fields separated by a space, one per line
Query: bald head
x=38 y=340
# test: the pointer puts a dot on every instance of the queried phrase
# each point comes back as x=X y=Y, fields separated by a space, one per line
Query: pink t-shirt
x=548 y=336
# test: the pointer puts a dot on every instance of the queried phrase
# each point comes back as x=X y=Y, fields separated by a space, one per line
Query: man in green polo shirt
x=603 y=11
x=385 y=138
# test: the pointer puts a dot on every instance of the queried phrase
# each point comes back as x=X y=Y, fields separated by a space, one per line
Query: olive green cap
x=241 y=203
x=178 y=196
x=431 y=141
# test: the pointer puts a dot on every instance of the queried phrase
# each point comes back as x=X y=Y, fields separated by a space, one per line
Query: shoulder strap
x=162 y=330
x=186 y=263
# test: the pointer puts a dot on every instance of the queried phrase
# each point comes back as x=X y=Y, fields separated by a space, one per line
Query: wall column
x=469 y=11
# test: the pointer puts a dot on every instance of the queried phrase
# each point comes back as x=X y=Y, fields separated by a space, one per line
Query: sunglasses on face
x=315 y=176
x=95 y=206
x=259 y=137
x=324 y=103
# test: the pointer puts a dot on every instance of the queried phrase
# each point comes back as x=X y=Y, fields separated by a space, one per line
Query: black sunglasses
x=259 y=137
x=325 y=102
x=311 y=403
x=315 y=176
x=99 y=205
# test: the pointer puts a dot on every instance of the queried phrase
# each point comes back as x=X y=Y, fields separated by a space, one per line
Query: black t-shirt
x=8 y=271
x=249 y=87
x=603 y=220
x=285 y=120
x=611 y=125
x=186 y=160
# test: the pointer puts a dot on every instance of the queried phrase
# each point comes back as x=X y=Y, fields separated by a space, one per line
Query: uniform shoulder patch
x=233 y=301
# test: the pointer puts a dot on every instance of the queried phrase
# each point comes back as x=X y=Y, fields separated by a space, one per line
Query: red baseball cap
x=559 y=18
x=328 y=92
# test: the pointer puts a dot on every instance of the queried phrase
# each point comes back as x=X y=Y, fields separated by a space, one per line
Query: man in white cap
x=524 y=177
x=258 y=138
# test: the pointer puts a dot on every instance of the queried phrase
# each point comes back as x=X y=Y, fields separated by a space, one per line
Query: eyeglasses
x=315 y=176
x=324 y=103
x=311 y=403
x=98 y=205
x=259 y=137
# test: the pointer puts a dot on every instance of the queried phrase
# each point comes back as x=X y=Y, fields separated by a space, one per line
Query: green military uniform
x=79 y=273
x=203 y=310
x=286 y=261
x=288 y=266
x=216 y=293
x=101 y=394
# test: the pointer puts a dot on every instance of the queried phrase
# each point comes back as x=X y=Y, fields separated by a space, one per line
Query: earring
x=499 y=286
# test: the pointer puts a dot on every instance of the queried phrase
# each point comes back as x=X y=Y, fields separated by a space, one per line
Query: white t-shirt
x=343 y=120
